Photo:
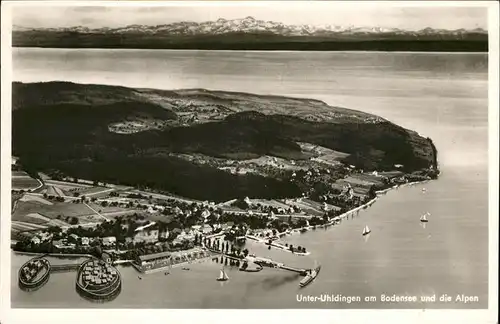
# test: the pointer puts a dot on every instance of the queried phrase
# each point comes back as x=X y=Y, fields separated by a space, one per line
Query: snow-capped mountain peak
x=250 y=24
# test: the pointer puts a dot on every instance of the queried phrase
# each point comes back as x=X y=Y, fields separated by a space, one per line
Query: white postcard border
x=39 y=316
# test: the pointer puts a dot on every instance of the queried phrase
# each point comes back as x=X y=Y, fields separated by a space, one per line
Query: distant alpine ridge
x=251 y=25
x=252 y=34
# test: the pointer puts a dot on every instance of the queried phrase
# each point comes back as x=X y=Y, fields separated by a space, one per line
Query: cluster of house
x=97 y=274
x=147 y=235
x=73 y=240
x=41 y=237
x=31 y=269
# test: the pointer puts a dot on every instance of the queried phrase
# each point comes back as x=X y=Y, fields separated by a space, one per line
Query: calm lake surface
x=442 y=96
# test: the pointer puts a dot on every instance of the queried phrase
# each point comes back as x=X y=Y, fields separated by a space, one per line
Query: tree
x=371 y=193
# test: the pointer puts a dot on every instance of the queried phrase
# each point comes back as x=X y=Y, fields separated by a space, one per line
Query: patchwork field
x=32 y=211
x=67 y=186
x=54 y=191
x=19 y=174
x=95 y=192
x=391 y=174
x=24 y=183
x=274 y=162
x=64 y=188
x=34 y=198
x=318 y=150
x=25 y=226
x=376 y=180
x=356 y=182
x=272 y=203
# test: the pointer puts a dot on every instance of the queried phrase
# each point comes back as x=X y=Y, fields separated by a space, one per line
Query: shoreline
x=236 y=50
x=349 y=212
x=333 y=221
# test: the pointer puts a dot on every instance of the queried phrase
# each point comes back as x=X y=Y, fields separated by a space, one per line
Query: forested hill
x=128 y=136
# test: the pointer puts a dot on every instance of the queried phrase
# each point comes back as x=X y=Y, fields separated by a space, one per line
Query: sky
x=411 y=17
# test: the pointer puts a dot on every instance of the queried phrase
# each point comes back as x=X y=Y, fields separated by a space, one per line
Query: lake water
x=443 y=96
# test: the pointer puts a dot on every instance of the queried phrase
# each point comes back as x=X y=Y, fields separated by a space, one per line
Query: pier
x=302 y=272
x=274 y=264
x=64 y=267
x=262 y=262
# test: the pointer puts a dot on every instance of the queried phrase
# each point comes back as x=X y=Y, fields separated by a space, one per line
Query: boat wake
x=274 y=282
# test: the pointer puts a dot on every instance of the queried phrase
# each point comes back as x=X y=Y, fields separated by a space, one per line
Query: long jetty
x=298 y=270
x=261 y=261
x=64 y=267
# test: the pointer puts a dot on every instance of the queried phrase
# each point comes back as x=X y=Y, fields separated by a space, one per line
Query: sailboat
x=366 y=230
x=423 y=218
x=223 y=276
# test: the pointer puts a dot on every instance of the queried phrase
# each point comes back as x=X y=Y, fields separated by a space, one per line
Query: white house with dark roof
x=110 y=240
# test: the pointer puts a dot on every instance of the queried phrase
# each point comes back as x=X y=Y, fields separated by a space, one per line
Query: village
x=75 y=216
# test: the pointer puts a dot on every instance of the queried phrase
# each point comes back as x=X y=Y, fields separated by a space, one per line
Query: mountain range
x=252 y=25
x=252 y=34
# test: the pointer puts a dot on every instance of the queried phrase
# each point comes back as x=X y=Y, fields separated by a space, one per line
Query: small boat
x=366 y=230
x=140 y=278
x=186 y=269
x=223 y=276
x=423 y=218
x=311 y=275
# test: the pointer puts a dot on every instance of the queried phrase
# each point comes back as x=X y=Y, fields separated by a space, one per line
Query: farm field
x=54 y=191
x=19 y=174
x=66 y=209
x=271 y=161
x=24 y=183
x=66 y=186
x=318 y=150
x=272 y=203
x=369 y=178
x=34 y=198
x=96 y=192
x=25 y=226
x=356 y=182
